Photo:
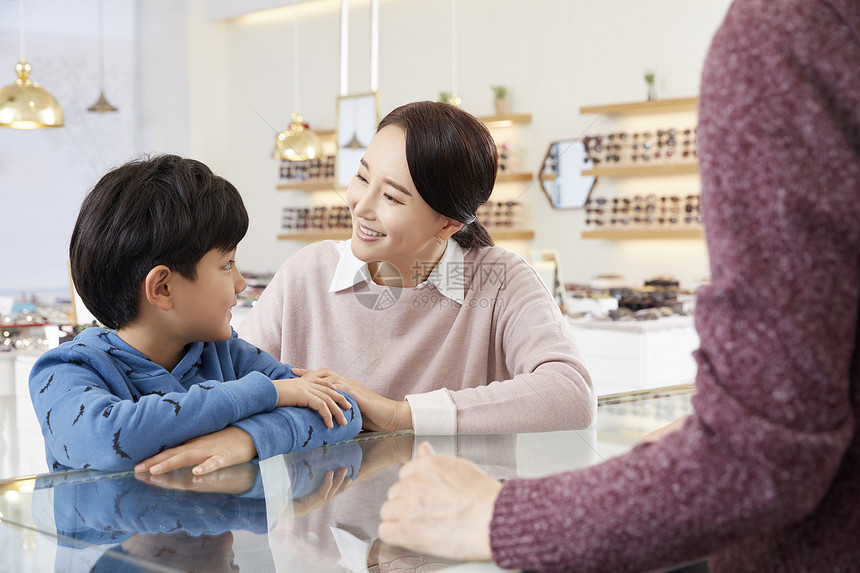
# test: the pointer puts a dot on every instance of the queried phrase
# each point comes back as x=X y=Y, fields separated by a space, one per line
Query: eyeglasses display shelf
x=671 y=152
x=504 y=220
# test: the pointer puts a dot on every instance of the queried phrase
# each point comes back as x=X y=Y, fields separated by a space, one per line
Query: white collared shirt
x=446 y=275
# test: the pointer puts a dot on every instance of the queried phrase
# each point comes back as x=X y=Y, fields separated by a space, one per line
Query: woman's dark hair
x=452 y=159
x=163 y=210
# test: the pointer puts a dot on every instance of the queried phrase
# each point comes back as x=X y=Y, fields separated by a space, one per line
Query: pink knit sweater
x=765 y=475
x=501 y=361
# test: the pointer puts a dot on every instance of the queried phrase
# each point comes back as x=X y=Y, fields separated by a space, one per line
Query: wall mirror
x=561 y=174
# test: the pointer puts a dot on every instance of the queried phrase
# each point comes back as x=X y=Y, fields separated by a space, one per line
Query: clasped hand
x=379 y=414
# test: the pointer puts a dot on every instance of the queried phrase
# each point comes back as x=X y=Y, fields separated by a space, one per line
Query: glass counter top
x=310 y=511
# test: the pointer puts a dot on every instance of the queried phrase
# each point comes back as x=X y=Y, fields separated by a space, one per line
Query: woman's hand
x=207 y=453
x=334 y=484
x=379 y=413
x=322 y=398
x=441 y=506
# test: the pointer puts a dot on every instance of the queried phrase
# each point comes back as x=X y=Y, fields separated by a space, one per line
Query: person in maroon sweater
x=765 y=474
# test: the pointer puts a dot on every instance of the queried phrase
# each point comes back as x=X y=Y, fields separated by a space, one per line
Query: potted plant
x=451 y=98
x=649 y=82
x=501 y=99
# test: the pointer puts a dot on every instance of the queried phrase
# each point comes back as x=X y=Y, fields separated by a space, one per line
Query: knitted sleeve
x=780 y=146
x=550 y=388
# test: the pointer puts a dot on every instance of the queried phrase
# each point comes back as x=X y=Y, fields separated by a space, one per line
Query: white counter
x=624 y=356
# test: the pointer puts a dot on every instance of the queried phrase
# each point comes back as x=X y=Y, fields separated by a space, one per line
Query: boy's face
x=204 y=304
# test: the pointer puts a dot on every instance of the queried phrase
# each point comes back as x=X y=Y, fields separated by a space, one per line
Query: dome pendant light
x=298 y=143
x=23 y=104
x=102 y=105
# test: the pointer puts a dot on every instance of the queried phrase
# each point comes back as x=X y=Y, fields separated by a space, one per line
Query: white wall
x=45 y=173
x=555 y=55
x=216 y=88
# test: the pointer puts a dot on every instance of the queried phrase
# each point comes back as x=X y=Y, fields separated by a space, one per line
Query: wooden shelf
x=644 y=107
x=643 y=170
x=620 y=234
x=521 y=235
x=342 y=235
x=310 y=185
x=506 y=120
x=329 y=184
x=510 y=177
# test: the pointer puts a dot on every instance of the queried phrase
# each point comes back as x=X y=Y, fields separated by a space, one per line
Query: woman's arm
x=548 y=387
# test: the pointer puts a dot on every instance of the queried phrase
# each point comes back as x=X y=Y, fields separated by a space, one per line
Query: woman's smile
x=368 y=234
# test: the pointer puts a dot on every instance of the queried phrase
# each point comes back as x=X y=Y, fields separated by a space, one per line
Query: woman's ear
x=157 y=288
x=451 y=227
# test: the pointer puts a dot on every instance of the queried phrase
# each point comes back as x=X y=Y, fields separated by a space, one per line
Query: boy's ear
x=157 y=288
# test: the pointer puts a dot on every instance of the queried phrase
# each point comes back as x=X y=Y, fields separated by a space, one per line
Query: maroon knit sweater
x=765 y=475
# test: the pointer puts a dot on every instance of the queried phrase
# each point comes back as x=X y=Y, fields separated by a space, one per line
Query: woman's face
x=390 y=221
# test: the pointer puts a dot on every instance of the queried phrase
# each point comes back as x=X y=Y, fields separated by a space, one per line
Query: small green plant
x=499 y=91
x=444 y=96
x=649 y=78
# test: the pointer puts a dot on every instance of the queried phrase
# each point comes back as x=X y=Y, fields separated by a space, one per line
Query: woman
x=765 y=474
x=418 y=316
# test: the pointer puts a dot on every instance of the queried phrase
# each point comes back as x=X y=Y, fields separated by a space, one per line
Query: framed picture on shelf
x=357 y=118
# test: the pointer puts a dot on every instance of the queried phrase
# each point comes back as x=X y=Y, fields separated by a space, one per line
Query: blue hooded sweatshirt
x=104 y=405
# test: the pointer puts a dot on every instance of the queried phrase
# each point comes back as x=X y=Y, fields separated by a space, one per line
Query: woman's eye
x=390 y=198
x=360 y=177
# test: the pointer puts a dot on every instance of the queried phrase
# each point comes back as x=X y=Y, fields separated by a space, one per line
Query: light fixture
x=298 y=142
x=23 y=104
x=102 y=105
x=453 y=98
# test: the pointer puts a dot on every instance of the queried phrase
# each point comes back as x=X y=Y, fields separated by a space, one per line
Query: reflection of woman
x=418 y=316
x=335 y=520
x=765 y=474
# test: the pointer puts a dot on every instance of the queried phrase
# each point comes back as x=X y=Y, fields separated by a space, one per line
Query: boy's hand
x=207 y=453
x=323 y=399
x=236 y=479
x=378 y=413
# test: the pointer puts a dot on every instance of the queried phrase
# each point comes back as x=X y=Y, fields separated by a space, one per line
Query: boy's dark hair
x=162 y=210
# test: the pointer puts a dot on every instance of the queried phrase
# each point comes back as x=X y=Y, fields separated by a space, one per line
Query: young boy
x=152 y=257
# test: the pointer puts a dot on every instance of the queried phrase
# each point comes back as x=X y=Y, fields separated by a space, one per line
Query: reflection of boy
x=143 y=527
x=152 y=257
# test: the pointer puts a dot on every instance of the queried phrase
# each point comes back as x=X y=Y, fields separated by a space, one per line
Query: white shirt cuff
x=433 y=413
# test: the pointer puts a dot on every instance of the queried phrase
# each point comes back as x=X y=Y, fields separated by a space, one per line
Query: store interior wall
x=191 y=78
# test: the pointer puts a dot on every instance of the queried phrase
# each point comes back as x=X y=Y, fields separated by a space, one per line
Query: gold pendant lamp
x=24 y=104
x=298 y=142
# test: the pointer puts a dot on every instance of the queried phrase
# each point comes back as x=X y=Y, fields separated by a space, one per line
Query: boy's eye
x=229 y=265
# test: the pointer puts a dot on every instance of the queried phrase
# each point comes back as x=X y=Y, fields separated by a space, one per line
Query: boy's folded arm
x=285 y=430
x=91 y=420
